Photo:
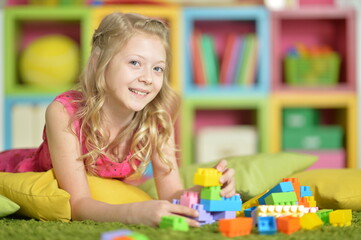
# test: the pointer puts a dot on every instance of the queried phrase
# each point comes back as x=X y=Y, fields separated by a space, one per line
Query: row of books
x=236 y=66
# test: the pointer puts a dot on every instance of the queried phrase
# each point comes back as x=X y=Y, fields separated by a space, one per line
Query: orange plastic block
x=207 y=177
x=296 y=186
x=288 y=224
x=123 y=238
x=310 y=221
x=341 y=218
x=303 y=201
x=234 y=227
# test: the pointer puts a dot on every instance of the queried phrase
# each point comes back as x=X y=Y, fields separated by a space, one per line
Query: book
x=228 y=60
x=250 y=67
x=211 y=65
x=199 y=77
x=242 y=61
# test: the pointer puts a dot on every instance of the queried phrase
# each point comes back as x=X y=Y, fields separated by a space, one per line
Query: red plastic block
x=288 y=224
x=239 y=226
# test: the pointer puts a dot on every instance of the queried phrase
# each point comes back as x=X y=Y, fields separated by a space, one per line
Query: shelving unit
x=334 y=27
x=219 y=22
x=24 y=24
x=345 y=104
x=314 y=26
x=223 y=111
x=259 y=105
x=226 y=105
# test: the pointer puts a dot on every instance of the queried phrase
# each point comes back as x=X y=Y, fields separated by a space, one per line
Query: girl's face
x=135 y=75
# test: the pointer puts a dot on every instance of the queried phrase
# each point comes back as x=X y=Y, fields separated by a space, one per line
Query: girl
x=118 y=120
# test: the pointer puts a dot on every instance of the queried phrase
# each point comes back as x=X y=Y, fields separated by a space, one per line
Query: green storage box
x=322 y=137
x=299 y=118
x=312 y=71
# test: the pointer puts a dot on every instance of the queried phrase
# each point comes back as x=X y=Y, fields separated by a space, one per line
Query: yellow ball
x=49 y=62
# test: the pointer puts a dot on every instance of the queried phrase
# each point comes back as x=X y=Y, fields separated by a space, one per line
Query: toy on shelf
x=316 y=66
x=50 y=61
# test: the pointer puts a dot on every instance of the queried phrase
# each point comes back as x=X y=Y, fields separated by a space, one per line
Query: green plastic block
x=300 y=118
x=211 y=193
x=324 y=215
x=312 y=71
x=322 y=137
x=281 y=198
x=175 y=223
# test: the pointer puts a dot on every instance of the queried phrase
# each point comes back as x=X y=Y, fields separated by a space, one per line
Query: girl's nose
x=146 y=77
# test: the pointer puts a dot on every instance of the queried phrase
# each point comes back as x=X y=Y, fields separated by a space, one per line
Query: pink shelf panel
x=206 y=118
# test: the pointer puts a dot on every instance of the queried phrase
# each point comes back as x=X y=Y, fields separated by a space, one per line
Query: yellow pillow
x=39 y=197
x=334 y=188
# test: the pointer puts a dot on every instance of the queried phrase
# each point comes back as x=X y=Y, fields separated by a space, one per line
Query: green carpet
x=23 y=229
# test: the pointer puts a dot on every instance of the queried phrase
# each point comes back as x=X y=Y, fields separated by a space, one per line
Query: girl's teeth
x=137 y=92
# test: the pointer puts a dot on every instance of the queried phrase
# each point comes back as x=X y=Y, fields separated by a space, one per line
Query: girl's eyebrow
x=140 y=56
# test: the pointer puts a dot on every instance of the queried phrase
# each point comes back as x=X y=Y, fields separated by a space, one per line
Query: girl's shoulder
x=70 y=99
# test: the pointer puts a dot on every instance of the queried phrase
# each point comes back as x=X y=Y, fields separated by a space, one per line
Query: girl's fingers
x=221 y=166
x=183 y=210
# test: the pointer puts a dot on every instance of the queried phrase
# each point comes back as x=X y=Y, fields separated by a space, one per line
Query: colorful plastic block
x=207 y=177
x=311 y=201
x=138 y=236
x=123 y=238
x=233 y=203
x=324 y=215
x=310 y=221
x=204 y=217
x=235 y=227
x=281 y=198
x=175 y=223
x=248 y=211
x=296 y=186
x=113 y=234
x=288 y=224
x=303 y=201
x=306 y=191
x=189 y=198
x=211 y=193
x=280 y=210
x=223 y=215
x=281 y=187
x=267 y=225
x=341 y=218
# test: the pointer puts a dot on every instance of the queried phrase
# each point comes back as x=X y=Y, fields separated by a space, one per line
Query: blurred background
x=255 y=76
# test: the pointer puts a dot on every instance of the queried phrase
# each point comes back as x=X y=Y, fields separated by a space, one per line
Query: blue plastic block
x=267 y=225
x=281 y=187
x=248 y=211
x=233 y=203
x=305 y=191
x=224 y=215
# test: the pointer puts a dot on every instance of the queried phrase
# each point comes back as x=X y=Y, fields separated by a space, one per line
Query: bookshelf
x=337 y=103
x=260 y=105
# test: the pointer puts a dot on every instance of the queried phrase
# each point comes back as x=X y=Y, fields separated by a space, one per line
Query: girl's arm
x=71 y=176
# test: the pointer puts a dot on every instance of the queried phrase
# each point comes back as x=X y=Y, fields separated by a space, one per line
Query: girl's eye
x=158 y=69
x=135 y=63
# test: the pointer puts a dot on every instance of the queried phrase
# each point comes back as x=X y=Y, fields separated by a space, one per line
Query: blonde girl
x=118 y=120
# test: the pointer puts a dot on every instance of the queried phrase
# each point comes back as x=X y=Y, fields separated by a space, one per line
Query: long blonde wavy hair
x=152 y=127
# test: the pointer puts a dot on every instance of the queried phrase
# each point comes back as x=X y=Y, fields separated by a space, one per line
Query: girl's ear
x=94 y=57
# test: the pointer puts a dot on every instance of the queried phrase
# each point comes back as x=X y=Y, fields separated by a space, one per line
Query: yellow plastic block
x=310 y=221
x=341 y=218
x=311 y=201
x=207 y=177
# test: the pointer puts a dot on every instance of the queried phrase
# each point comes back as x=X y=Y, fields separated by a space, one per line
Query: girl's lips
x=139 y=91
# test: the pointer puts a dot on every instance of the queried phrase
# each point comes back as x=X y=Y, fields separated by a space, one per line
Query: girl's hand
x=151 y=212
x=227 y=179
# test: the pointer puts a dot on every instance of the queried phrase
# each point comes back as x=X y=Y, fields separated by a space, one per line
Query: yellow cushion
x=39 y=197
x=334 y=188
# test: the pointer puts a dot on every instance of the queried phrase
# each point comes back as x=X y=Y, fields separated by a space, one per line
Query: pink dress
x=38 y=159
